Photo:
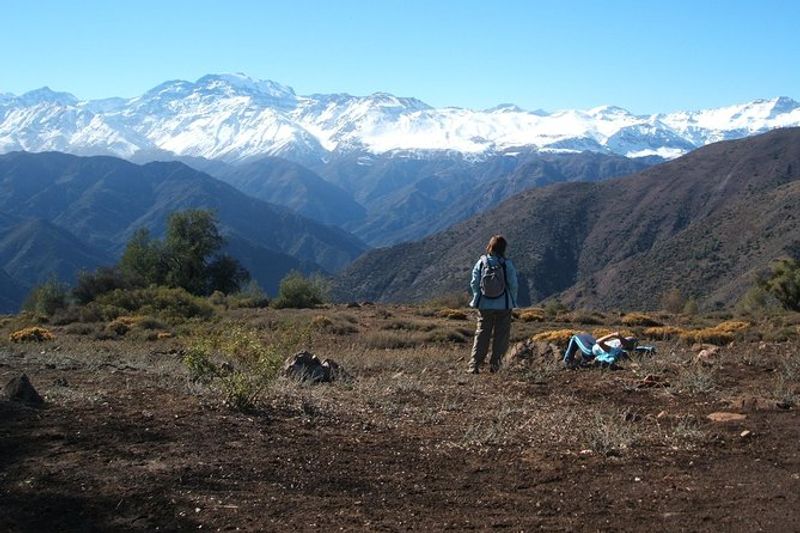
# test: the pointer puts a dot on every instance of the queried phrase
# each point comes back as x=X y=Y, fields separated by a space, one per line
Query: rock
x=20 y=390
x=529 y=350
x=707 y=355
x=662 y=414
x=722 y=416
x=746 y=433
x=305 y=366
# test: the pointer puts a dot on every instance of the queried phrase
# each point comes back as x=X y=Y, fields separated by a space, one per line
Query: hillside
x=80 y=211
x=289 y=184
x=702 y=223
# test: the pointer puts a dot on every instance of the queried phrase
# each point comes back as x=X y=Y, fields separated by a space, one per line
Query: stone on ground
x=19 y=389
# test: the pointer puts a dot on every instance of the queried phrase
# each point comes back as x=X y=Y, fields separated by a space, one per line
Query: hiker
x=605 y=350
x=494 y=294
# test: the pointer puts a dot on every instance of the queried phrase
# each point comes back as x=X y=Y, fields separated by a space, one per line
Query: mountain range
x=233 y=118
x=60 y=213
x=706 y=224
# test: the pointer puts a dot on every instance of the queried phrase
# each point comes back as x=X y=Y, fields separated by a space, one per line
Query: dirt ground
x=126 y=442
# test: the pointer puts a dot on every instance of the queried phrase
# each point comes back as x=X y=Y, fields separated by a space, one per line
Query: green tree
x=784 y=283
x=142 y=262
x=189 y=256
x=192 y=238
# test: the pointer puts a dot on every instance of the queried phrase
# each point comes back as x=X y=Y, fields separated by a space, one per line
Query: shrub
x=236 y=361
x=45 y=299
x=532 y=315
x=784 y=283
x=90 y=285
x=673 y=301
x=602 y=332
x=757 y=301
x=172 y=305
x=557 y=336
x=554 y=308
x=708 y=336
x=733 y=326
x=690 y=307
x=454 y=299
x=299 y=292
x=640 y=319
x=321 y=322
x=31 y=334
x=452 y=314
x=252 y=296
x=662 y=332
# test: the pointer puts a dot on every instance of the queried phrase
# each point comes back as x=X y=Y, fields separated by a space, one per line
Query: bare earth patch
x=126 y=441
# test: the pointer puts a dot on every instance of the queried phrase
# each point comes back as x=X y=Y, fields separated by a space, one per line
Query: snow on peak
x=46 y=95
x=235 y=117
x=241 y=82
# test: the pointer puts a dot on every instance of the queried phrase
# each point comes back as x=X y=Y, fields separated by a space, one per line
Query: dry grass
x=662 y=332
x=31 y=334
x=452 y=314
x=640 y=319
x=534 y=314
x=557 y=336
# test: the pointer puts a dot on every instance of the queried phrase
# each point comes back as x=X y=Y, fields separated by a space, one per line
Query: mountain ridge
x=705 y=223
x=235 y=118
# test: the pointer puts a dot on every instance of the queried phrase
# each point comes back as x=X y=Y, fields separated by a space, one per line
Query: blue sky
x=643 y=55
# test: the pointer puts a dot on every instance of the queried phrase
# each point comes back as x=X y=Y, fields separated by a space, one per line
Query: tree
x=673 y=301
x=784 y=283
x=189 y=256
x=142 y=262
x=226 y=275
x=192 y=238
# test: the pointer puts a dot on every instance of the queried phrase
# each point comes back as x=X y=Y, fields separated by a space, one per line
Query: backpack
x=493 y=278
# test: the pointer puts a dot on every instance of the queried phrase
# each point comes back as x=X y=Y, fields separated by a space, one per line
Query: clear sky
x=644 y=55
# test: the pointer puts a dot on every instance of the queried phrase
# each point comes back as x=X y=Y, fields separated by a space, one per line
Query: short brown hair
x=497 y=246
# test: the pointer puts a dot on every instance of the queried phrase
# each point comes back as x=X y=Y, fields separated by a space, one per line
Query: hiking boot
x=494 y=369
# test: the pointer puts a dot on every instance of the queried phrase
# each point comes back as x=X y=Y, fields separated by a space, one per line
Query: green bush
x=784 y=283
x=45 y=299
x=252 y=296
x=174 y=305
x=238 y=362
x=90 y=285
x=299 y=292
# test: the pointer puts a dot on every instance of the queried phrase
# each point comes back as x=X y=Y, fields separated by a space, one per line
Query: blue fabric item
x=482 y=302
x=610 y=356
x=583 y=343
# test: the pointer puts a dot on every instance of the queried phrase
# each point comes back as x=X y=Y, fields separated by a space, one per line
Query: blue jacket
x=482 y=302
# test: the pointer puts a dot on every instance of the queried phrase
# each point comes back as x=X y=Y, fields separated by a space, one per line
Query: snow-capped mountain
x=232 y=117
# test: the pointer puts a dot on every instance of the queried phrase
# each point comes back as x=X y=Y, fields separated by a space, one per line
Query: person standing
x=494 y=294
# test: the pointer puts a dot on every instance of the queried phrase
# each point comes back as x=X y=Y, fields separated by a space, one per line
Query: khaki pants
x=497 y=321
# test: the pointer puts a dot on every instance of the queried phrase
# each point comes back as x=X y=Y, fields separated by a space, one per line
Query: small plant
x=662 y=332
x=640 y=319
x=695 y=379
x=321 y=322
x=452 y=314
x=673 y=301
x=45 y=299
x=784 y=283
x=610 y=434
x=707 y=336
x=235 y=360
x=31 y=334
x=532 y=315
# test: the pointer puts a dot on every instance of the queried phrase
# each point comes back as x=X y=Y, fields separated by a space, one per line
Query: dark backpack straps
x=505 y=279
